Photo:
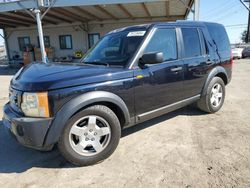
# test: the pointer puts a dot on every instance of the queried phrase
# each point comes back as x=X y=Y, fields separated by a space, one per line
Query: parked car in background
x=237 y=52
x=132 y=75
x=246 y=52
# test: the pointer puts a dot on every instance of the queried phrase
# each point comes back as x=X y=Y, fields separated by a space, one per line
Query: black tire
x=80 y=160
x=205 y=104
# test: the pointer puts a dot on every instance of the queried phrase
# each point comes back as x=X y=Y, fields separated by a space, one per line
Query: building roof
x=13 y=13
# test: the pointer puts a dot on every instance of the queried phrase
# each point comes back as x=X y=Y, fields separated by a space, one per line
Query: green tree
x=244 y=36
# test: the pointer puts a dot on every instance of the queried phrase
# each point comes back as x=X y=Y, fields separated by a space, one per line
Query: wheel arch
x=217 y=71
x=81 y=102
x=223 y=76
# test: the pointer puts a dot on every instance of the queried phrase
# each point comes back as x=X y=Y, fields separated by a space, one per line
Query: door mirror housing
x=151 y=58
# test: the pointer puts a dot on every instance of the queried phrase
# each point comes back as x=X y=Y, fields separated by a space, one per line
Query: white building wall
x=76 y=30
x=78 y=38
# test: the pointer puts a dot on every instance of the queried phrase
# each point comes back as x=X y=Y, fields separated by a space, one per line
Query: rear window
x=219 y=35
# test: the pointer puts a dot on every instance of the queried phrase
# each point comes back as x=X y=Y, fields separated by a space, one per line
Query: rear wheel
x=90 y=136
x=213 y=100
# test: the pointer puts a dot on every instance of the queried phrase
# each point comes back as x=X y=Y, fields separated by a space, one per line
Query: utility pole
x=40 y=35
x=40 y=29
x=248 y=26
x=197 y=10
x=243 y=2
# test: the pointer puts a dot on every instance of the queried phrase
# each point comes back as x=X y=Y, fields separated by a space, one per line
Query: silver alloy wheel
x=216 y=95
x=89 y=135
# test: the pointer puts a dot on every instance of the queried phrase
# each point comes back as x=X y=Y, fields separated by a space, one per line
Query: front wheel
x=90 y=136
x=213 y=100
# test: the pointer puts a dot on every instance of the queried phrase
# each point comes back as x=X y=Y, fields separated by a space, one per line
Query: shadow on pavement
x=15 y=158
x=189 y=111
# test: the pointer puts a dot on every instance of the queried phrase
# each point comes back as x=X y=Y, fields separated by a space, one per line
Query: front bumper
x=28 y=131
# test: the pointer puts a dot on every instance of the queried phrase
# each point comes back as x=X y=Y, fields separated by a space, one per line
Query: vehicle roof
x=176 y=23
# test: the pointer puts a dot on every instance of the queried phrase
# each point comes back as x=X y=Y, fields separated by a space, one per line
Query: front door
x=158 y=85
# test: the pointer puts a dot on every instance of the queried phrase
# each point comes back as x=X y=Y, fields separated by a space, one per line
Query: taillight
x=231 y=58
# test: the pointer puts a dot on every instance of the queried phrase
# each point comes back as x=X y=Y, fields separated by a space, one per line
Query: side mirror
x=151 y=58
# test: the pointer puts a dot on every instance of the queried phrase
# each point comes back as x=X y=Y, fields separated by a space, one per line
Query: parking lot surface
x=185 y=148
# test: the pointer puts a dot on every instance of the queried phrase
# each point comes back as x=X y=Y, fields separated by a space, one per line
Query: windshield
x=115 y=49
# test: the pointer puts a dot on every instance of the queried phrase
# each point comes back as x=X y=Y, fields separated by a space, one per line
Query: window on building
x=191 y=41
x=93 y=39
x=65 y=41
x=23 y=42
x=163 y=40
x=46 y=41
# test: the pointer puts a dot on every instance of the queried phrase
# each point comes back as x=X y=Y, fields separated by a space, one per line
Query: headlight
x=35 y=104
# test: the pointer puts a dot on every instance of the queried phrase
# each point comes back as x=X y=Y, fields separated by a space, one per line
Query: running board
x=165 y=109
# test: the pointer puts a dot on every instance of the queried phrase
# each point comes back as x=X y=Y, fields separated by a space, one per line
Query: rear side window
x=219 y=36
x=163 y=40
x=203 y=43
x=191 y=42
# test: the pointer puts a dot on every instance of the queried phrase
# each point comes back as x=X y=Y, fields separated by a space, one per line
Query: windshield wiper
x=96 y=63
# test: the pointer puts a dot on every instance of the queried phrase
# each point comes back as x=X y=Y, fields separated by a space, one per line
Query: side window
x=23 y=42
x=191 y=42
x=163 y=40
x=204 y=46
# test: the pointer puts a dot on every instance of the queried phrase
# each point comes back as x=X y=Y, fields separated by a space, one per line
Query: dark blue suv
x=131 y=75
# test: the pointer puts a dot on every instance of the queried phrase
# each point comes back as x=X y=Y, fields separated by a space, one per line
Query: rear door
x=196 y=61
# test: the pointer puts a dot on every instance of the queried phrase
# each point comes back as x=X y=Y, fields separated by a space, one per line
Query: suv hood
x=44 y=77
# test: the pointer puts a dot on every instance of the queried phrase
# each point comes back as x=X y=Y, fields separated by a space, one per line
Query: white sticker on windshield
x=136 y=33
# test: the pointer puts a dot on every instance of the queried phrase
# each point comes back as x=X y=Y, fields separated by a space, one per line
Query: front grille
x=15 y=99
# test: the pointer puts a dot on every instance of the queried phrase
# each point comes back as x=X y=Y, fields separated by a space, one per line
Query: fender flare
x=215 y=71
x=76 y=104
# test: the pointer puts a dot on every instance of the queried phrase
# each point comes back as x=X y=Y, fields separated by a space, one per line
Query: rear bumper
x=29 y=132
x=237 y=55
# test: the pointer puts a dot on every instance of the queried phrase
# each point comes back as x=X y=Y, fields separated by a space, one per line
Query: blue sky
x=227 y=12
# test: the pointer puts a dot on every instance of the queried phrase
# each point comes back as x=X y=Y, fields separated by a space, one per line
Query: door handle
x=176 y=69
x=209 y=62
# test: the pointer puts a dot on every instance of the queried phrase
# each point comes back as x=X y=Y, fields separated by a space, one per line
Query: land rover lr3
x=131 y=75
